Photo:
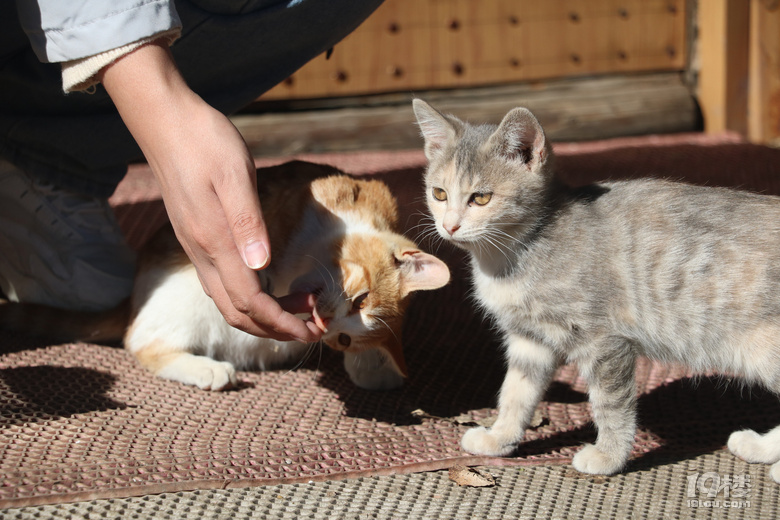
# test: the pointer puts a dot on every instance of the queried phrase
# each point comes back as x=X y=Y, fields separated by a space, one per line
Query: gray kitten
x=600 y=275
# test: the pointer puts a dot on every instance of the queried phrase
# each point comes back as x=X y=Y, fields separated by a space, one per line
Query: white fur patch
x=181 y=316
x=523 y=352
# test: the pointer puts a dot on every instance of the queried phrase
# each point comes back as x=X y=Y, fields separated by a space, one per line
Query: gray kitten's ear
x=437 y=129
x=521 y=138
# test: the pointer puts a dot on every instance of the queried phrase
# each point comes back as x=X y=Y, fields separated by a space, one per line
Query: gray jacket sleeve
x=65 y=30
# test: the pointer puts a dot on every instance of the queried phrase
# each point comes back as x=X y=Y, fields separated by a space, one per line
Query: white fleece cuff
x=81 y=74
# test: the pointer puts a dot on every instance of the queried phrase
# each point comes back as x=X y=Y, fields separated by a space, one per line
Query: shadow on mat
x=688 y=417
x=693 y=416
x=39 y=393
x=455 y=362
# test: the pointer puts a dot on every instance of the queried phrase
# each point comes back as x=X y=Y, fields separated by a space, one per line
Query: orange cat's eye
x=439 y=194
x=480 y=199
x=358 y=302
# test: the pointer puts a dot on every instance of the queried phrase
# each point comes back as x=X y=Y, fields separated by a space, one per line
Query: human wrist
x=83 y=73
x=145 y=78
x=151 y=96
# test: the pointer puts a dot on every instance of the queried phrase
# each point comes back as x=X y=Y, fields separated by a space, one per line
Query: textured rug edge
x=238 y=483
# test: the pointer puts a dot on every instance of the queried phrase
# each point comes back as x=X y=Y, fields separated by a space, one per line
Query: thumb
x=241 y=206
x=256 y=255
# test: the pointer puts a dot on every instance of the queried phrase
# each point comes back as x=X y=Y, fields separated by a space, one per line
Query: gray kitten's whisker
x=431 y=235
x=423 y=228
x=497 y=238
x=502 y=233
x=506 y=252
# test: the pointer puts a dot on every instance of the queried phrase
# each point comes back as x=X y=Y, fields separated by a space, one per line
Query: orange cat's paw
x=200 y=371
x=216 y=378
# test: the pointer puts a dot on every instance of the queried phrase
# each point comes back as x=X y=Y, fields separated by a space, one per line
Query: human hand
x=208 y=182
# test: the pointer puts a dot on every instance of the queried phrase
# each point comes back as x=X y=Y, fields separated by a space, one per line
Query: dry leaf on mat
x=463 y=419
x=466 y=419
x=471 y=477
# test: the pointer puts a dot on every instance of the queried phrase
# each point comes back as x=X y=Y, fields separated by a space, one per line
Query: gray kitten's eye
x=480 y=199
x=439 y=194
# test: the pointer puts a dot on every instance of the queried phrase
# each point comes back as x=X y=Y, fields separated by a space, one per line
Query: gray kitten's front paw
x=592 y=460
x=482 y=441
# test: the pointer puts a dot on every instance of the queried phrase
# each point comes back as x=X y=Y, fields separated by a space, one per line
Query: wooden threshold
x=570 y=110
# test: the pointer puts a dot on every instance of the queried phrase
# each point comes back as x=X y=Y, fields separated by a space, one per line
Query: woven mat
x=548 y=491
x=81 y=421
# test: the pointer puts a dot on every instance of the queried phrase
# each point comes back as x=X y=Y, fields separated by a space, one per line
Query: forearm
x=183 y=139
x=150 y=95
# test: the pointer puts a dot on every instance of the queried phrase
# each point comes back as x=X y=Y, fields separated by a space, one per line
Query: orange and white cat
x=332 y=235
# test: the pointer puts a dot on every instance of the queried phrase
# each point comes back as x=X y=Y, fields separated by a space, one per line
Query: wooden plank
x=764 y=91
x=723 y=78
x=594 y=108
x=409 y=45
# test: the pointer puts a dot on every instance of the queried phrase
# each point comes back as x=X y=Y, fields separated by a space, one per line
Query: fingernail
x=256 y=255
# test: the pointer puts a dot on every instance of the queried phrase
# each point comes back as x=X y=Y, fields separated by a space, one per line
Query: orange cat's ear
x=421 y=271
